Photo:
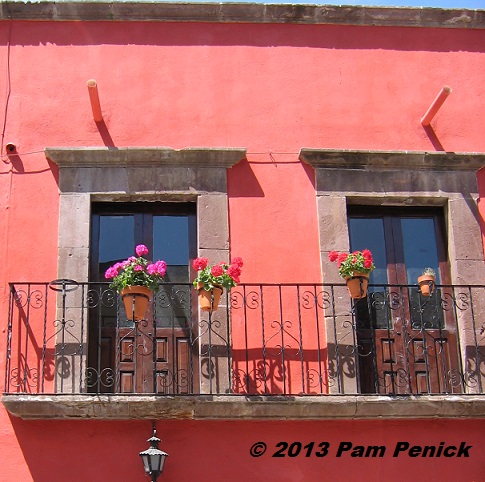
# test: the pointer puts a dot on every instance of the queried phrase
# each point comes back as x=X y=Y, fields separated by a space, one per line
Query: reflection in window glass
x=369 y=234
x=420 y=249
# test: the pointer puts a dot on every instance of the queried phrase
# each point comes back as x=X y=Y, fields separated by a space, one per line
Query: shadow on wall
x=314 y=36
x=481 y=201
x=433 y=138
x=18 y=167
x=242 y=182
x=104 y=133
x=271 y=370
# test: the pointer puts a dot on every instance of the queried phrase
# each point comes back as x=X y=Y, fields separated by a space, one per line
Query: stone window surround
x=140 y=174
x=127 y=174
x=387 y=178
x=345 y=177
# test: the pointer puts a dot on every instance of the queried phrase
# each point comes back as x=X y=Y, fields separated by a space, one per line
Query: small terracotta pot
x=135 y=299
x=426 y=284
x=357 y=285
x=209 y=300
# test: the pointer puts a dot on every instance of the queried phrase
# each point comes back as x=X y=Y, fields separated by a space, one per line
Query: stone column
x=71 y=337
x=468 y=305
x=342 y=357
x=213 y=331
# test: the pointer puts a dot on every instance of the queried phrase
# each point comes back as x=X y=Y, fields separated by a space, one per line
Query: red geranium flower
x=332 y=256
x=221 y=274
x=217 y=270
x=200 y=263
x=356 y=262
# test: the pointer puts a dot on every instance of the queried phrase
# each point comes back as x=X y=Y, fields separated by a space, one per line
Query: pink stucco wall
x=271 y=89
x=209 y=451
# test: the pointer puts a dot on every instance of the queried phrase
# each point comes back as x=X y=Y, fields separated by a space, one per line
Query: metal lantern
x=153 y=458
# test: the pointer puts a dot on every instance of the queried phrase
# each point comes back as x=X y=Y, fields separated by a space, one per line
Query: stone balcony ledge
x=237 y=407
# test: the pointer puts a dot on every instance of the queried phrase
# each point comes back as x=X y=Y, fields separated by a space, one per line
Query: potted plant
x=354 y=268
x=211 y=280
x=427 y=281
x=135 y=278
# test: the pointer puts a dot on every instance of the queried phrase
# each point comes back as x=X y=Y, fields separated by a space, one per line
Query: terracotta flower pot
x=209 y=300
x=426 y=284
x=135 y=299
x=357 y=285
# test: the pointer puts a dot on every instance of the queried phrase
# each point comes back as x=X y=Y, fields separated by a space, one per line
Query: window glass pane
x=171 y=239
x=420 y=250
x=116 y=240
x=171 y=243
x=368 y=233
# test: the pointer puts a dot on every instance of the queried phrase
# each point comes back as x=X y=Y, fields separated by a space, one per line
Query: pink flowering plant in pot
x=353 y=264
x=136 y=271
x=220 y=275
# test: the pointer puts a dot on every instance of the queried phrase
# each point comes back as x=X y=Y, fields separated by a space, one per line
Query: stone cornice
x=234 y=407
x=144 y=157
x=411 y=160
x=243 y=13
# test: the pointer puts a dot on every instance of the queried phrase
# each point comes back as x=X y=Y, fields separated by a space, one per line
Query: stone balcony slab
x=237 y=407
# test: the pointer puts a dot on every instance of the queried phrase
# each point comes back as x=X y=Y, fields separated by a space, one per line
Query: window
x=399 y=179
x=413 y=341
x=152 y=356
x=141 y=175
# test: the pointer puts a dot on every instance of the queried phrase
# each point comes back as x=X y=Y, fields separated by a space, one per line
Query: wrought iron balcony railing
x=74 y=338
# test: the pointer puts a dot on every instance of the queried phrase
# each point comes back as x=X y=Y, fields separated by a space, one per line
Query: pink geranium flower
x=141 y=250
x=111 y=273
x=135 y=271
x=161 y=267
x=158 y=268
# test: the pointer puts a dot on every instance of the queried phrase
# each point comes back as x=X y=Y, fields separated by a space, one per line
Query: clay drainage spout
x=94 y=97
x=435 y=106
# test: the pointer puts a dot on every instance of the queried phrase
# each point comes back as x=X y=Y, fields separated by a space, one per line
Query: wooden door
x=154 y=355
x=406 y=342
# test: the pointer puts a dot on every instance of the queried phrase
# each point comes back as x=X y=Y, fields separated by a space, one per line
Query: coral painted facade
x=290 y=105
